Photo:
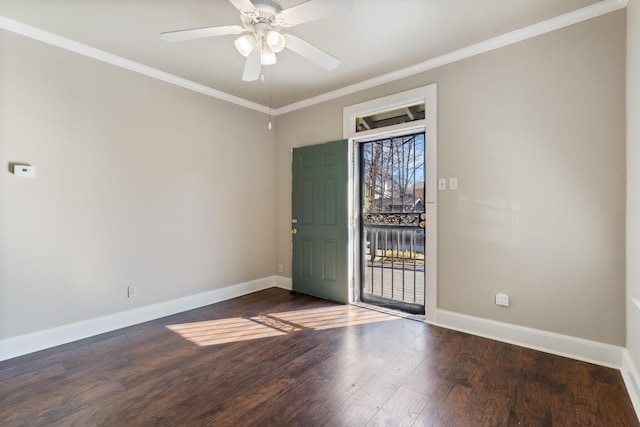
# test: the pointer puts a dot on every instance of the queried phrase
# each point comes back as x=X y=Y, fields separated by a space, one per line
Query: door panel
x=320 y=220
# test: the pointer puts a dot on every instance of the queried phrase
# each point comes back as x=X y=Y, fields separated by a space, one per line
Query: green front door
x=320 y=221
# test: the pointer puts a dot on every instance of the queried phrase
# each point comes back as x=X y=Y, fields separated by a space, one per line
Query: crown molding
x=577 y=16
x=101 y=55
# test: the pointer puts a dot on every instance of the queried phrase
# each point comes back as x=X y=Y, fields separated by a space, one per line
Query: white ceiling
x=378 y=37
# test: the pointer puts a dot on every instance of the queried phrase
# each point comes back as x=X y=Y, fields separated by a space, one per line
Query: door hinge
x=350 y=156
x=352 y=220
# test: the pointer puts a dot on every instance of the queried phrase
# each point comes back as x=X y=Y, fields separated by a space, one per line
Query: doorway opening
x=392 y=222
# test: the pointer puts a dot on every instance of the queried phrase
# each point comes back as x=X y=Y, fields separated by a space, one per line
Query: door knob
x=294 y=231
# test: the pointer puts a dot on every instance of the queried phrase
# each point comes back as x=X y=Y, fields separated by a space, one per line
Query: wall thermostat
x=24 y=170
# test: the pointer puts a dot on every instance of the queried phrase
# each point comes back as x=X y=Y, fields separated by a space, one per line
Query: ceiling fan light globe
x=245 y=44
x=275 y=40
x=268 y=56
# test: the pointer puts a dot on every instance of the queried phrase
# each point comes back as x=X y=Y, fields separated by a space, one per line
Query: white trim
x=91 y=52
x=631 y=377
x=549 y=342
x=284 y=282
x=575 y=17
x=40 y=340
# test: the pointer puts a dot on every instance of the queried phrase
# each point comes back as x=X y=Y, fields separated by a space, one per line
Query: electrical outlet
x=132 y=291
x=279 y=268
x=502 y=299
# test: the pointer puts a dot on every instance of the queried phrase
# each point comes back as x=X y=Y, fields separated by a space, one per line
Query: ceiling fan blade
x=253 y=65
x=243 y=5
x=312 y=10
x=312 y=53
x=199 y=33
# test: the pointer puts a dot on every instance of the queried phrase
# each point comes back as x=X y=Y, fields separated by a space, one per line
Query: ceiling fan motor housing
x=265 y=12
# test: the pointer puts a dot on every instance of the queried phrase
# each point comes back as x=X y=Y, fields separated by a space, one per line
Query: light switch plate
x=442 y=184
x=453 y=183
x=502 y=299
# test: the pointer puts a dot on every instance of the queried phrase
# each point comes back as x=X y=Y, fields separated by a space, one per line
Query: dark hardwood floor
x=271 y=358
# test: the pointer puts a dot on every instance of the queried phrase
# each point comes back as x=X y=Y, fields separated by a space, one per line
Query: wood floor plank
x=271 y=358
x=402 y=408
x=394 y=365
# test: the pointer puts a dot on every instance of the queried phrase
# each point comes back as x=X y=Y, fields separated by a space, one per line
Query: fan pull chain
x=270 y=126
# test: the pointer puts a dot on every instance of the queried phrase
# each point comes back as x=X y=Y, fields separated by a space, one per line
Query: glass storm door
x=393 y=218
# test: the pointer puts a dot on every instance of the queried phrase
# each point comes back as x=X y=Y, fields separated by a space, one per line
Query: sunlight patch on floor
x=223 y=331
x=333 y=317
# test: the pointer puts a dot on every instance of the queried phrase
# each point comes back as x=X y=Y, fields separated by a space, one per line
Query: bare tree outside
x=393 y=174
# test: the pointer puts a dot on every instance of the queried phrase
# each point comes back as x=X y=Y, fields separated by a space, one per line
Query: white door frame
x=428 y=95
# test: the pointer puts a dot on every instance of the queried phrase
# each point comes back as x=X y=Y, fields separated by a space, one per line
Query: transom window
x=392 y=117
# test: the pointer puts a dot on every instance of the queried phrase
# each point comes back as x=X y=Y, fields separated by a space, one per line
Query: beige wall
x=138 y=182
x=633 y=179
x=535 y=133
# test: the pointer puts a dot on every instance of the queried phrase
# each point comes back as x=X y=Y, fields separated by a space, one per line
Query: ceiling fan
x=263 y=21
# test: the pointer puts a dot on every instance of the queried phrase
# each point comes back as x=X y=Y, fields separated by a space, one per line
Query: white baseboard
x=40 y=340
x=631 y=377
x=549 y=342
x=284 y=282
